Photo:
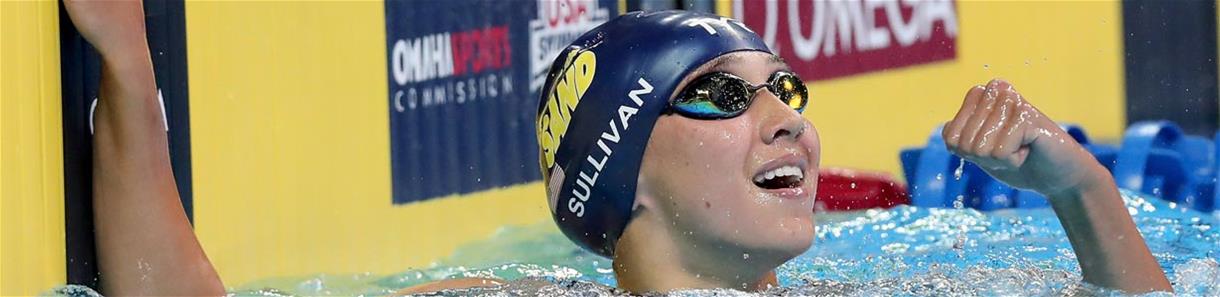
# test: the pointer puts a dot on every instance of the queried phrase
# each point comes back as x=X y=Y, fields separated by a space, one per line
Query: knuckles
x=998 y=153
x=982 y=102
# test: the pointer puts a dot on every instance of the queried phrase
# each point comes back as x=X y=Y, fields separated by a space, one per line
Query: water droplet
x=745 y=255
x=986 y=66
x=957 y=173
x=853 y=185
x=940 y=176
x=959 y=202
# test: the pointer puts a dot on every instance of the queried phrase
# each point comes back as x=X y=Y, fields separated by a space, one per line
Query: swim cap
x=601 y=98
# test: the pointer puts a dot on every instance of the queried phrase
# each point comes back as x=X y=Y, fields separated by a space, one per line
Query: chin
x=799 y=243
x=791 y=240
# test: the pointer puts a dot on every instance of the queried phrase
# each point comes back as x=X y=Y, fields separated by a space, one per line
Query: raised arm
x=1017 y=144
x=145 y=243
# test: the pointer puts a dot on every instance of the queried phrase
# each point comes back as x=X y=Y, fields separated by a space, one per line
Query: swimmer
x=671 y=142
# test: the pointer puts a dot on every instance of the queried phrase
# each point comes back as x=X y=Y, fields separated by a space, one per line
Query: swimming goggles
x=720 y=95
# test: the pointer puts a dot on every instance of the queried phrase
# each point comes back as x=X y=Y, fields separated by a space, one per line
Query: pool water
x=903 y=251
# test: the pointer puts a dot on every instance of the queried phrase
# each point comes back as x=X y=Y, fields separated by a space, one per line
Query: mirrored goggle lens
x=714 y=96
x=790 y=89
x=721 y=95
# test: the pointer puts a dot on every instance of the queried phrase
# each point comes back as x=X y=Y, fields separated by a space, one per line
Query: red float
x=846 y=189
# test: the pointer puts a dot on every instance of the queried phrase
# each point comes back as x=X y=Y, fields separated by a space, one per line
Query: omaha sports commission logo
x=426 y=67
x=463 y=88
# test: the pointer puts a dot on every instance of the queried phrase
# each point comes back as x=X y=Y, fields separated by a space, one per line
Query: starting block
x=1157 y=159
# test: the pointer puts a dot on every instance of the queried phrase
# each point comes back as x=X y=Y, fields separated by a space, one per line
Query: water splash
x=903 y=251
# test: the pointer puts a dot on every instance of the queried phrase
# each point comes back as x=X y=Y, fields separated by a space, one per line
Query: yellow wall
x=290 y=144
x=31 y=149
x=1064 y=56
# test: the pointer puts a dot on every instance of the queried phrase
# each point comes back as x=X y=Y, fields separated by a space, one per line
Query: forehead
x=728 y=61
x=754 y=66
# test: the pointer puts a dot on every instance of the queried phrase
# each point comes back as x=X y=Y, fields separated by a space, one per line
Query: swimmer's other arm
x=145 y=244
x=1017 y=144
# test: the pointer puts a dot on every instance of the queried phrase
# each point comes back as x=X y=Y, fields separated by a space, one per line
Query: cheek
x=702 y=171
x=716 y=160
x=814 y=142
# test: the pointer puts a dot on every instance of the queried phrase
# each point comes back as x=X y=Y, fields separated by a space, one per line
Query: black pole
x=1171 y=63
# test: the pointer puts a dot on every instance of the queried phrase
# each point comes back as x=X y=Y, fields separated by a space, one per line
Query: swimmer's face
x=702 y=175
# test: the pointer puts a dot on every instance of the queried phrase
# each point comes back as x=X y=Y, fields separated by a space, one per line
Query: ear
x=645 y=198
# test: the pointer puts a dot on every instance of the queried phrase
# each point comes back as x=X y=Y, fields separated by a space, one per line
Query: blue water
x=904 y=251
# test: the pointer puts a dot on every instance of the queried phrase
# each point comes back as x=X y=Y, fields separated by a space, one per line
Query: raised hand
x=145 y=243
x=1016 y=143
x=1019 y=145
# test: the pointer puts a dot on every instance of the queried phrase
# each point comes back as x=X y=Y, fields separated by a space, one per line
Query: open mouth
x=783 y=177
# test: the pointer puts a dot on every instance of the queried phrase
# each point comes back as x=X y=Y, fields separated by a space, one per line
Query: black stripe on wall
x=1171 y=63
x=80 y=68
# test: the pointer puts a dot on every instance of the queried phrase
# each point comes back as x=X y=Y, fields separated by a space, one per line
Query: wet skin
x=145 y=244
x=1016 y=143
x=703 y=221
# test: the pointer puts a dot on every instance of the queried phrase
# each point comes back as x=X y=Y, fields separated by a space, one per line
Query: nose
x=778 y=120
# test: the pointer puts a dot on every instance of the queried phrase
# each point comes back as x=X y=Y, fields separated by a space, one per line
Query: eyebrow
x=775 y=59
x=727 y=59
x=724 y=60
x=721 y=61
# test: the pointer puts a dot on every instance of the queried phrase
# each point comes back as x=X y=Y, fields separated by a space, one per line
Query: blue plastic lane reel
x=931 y=173
x=1158 y=160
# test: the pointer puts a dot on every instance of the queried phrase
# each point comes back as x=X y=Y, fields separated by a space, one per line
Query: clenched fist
x=1016 y=143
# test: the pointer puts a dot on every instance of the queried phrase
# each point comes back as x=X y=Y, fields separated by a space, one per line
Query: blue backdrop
x=463 y=78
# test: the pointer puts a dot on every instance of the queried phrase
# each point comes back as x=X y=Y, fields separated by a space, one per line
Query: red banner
x=829 y=39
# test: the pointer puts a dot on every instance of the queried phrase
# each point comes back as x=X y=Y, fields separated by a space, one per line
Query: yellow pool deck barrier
x=31 y=149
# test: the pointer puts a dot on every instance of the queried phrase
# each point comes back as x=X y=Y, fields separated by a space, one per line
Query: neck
x=650 y=258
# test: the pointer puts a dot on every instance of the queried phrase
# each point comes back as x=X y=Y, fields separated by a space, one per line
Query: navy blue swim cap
x=601 y=98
